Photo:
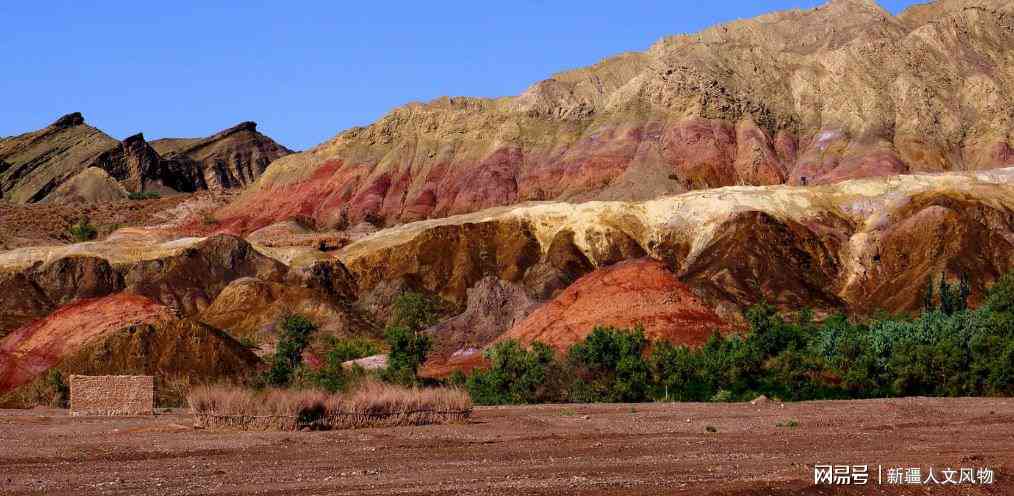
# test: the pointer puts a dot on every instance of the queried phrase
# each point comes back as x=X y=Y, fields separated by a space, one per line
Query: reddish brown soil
x=550 y=449
x=48 y=223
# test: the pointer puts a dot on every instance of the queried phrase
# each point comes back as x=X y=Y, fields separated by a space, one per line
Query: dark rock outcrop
x=133 y=163
x=494 y=306
x=232 y=158
x=39 y=161
x=190 y=281
x=563 y=264
x=34 y=165
x=69 y=279
x=756 y=257
x=21 y=301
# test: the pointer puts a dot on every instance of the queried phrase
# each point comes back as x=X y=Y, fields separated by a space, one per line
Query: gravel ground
x=547 y=449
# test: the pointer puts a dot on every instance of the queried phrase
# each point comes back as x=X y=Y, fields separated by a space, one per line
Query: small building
x=112 y=395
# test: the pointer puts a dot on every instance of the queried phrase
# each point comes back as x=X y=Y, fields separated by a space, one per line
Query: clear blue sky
x=305 y=70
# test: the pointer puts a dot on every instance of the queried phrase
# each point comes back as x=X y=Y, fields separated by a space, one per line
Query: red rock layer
x=624 y=295
x=34 y=348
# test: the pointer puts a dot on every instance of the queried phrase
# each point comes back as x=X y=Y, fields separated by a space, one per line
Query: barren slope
x=805 y=97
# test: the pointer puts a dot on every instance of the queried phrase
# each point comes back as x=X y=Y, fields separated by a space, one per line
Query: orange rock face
x=624 y=295
x=34 y=348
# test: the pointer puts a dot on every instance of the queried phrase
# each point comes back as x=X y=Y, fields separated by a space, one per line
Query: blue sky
x=305 y=70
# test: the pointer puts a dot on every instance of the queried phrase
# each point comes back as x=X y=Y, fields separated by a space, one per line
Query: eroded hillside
x=816 y=96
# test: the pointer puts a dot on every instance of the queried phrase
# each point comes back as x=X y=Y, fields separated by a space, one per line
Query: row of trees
x=948 y=350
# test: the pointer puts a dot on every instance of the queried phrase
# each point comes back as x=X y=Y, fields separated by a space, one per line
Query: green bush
x=295 y=336
x=517 y=375
x=407 y=353
x=415 y=311
x=83 y=231
x=412 y=313
x=59 y=388
x=143 y=195
x=332 y=375
x=610 y=366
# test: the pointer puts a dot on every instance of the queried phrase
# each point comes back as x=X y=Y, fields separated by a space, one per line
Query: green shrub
x=59 y=388
x=143 y=195
x=248 y=342
x=610 y=366
x=83 y=231
x=1000 y=297
x=415 y=311
x=407 y=353
x=332 y=375
x=295 y=336
x=517 y=375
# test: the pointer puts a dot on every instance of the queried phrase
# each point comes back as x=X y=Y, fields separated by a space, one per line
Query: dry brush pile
x=371 y=405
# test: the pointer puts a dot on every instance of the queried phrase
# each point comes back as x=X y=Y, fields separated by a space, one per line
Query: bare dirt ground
x=552 y=449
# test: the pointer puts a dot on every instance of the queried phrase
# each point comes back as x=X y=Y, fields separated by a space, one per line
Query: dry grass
x=371 y=405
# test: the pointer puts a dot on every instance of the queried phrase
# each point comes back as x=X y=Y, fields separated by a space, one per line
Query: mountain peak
x=70 y=120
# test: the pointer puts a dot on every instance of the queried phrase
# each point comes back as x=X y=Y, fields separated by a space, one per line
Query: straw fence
x=373 y=405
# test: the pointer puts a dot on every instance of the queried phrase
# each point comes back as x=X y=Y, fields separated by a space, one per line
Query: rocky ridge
x=61 y=163
x=817 y=96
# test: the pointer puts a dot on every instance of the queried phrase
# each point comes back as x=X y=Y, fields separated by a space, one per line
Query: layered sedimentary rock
x=231 y=158
x=842 y=91
x=857 y=246
x=32 y=349
x=61 y=162
x=166 y=349
x=626 y=295
x=36 y=163
x=72 y=304
x=186 y=274
x=90 y=185
x=251 y=308
x=121 y=334
x=190 y=280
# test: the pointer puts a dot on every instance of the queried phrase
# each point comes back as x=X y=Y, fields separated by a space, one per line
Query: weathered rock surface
x=90 y=185
x=57 y=163
x=449 y=258
x=853 y=246
x=185 y=274
x=21 y=301
x=842 y=91
x=36 y=163
x=636 y=292
x=494 y=306
x=167 y=350
x=34 y=348
x=190 y=280
x=73 y=278
x=251 y=307
x=231 y=158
